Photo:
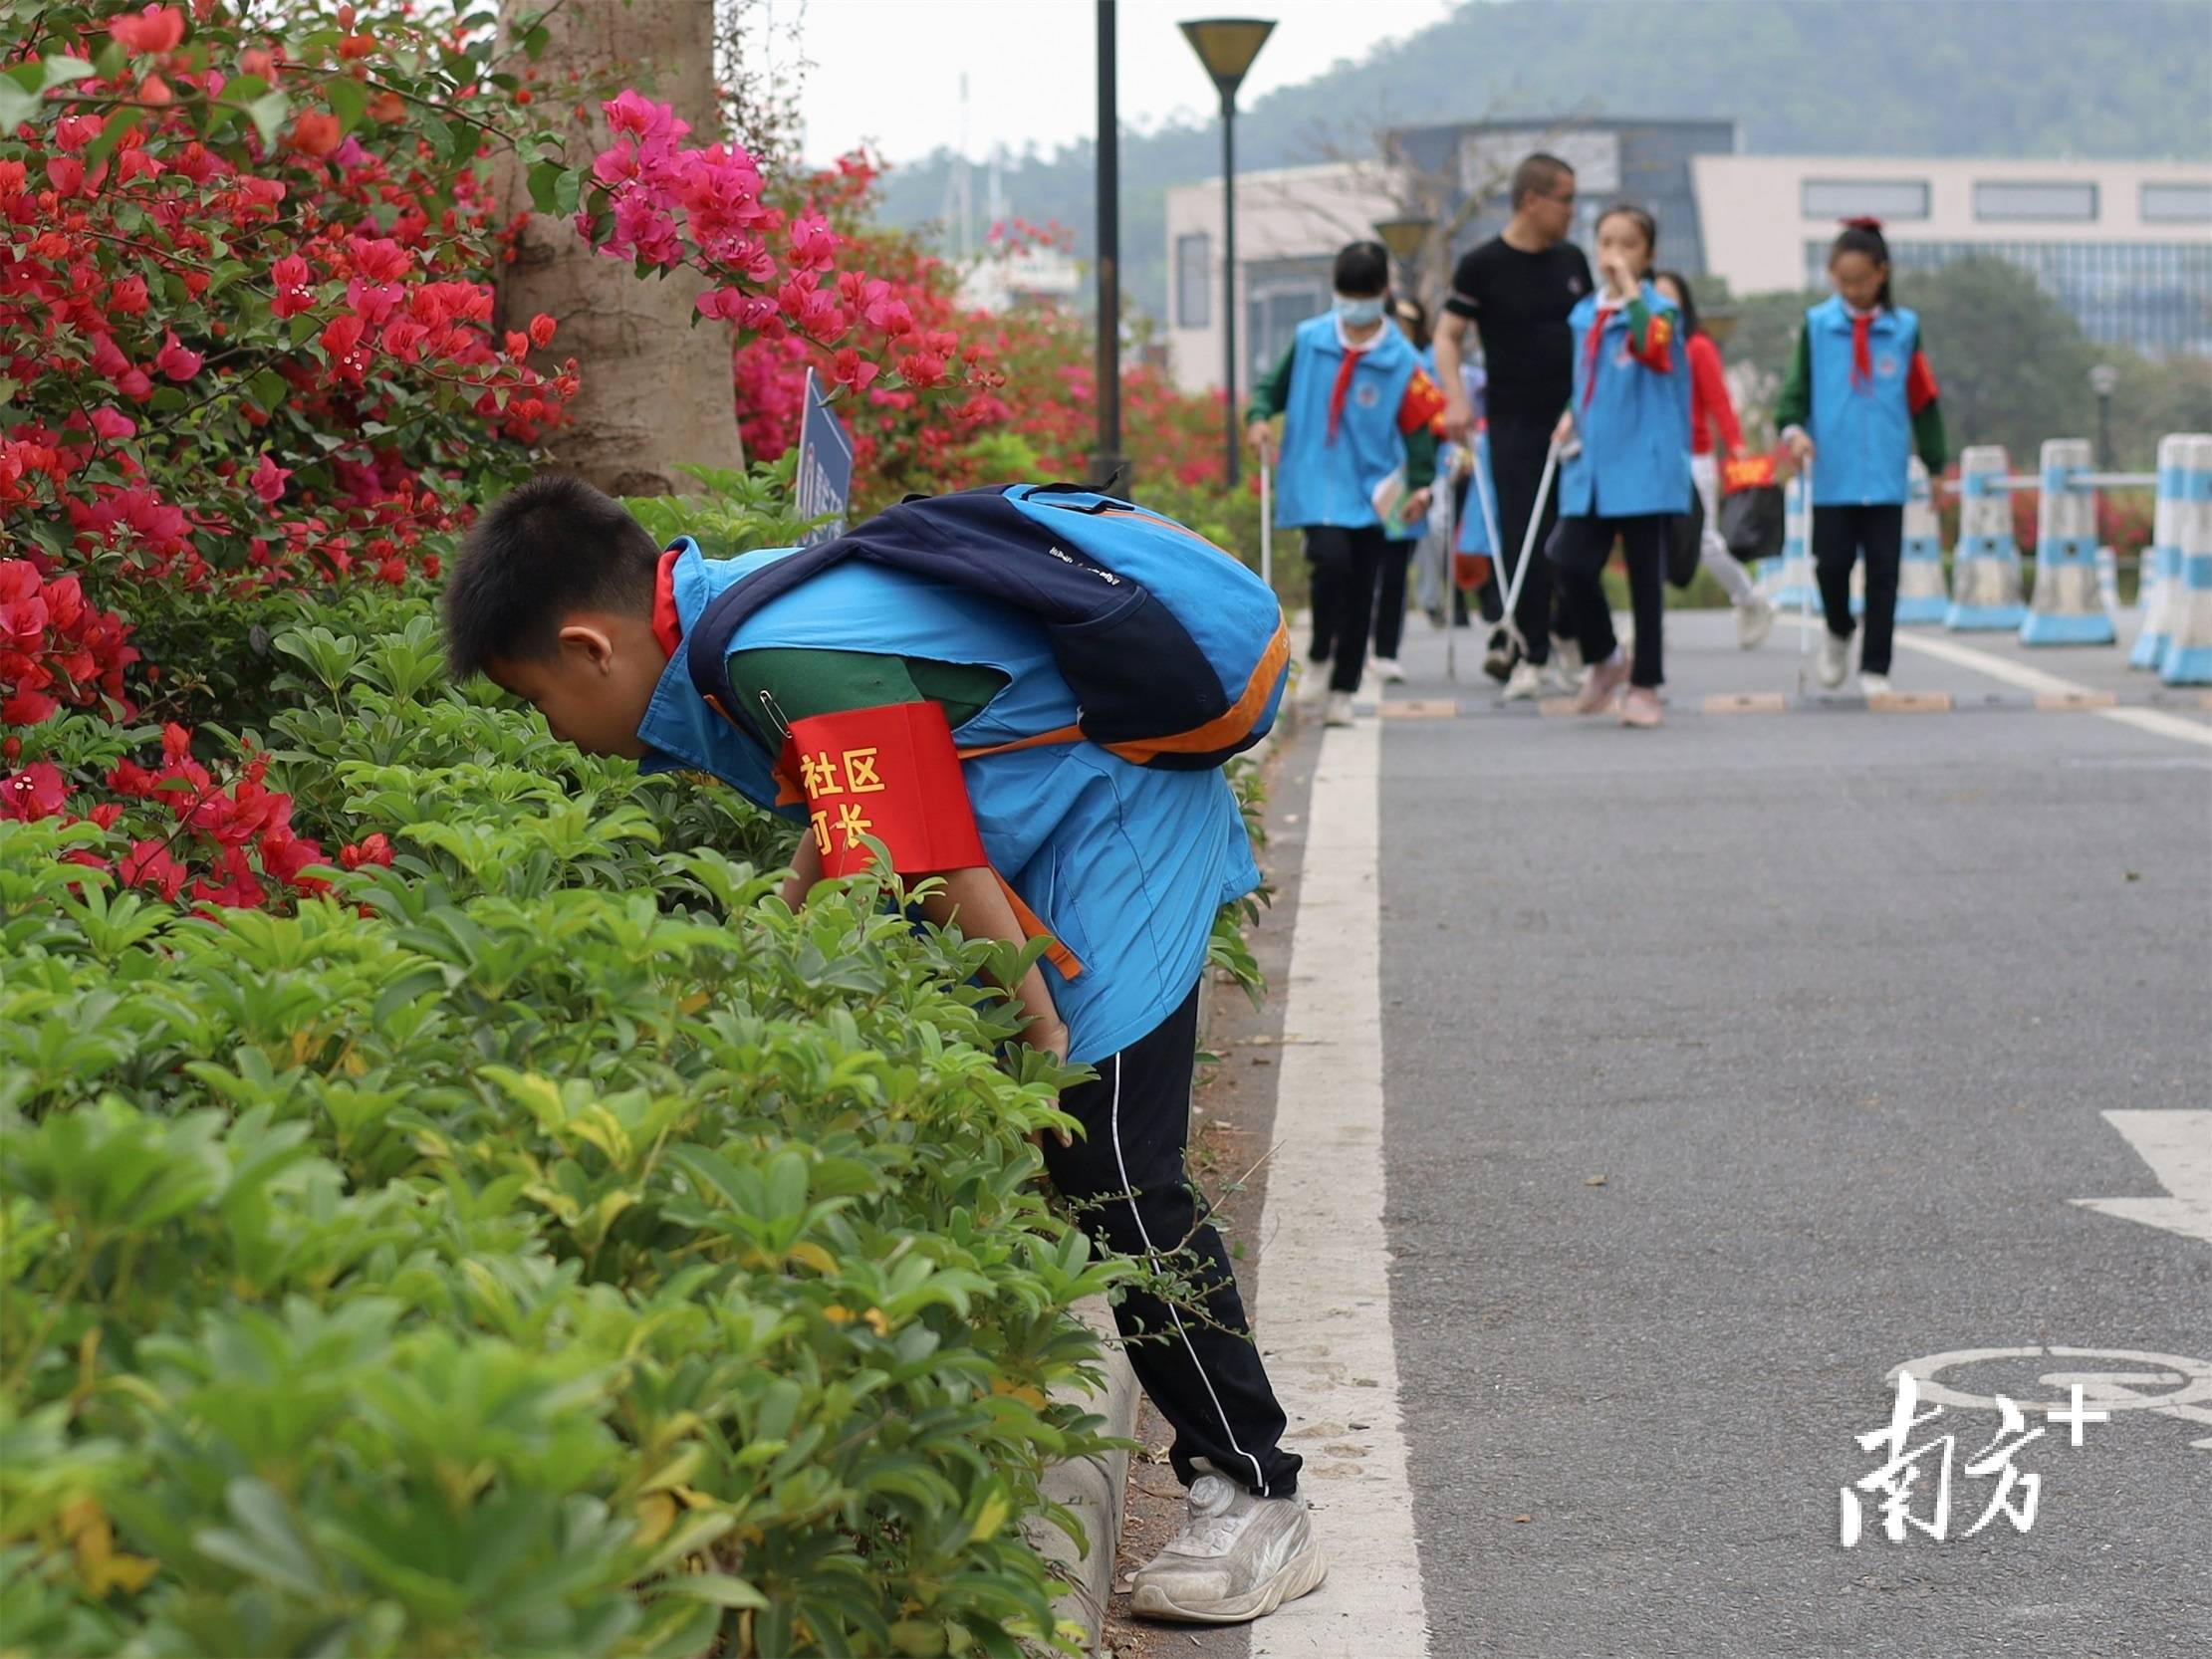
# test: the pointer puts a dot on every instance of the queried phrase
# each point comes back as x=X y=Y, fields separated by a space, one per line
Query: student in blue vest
x=1859 y=399
x=562 y=597
x=1407 y=540
x=1357 y=445
x=1625 y=463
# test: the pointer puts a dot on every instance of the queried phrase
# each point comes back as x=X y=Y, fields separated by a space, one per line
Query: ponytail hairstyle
x=1864 y=236
x=1688 y=307
x=1643 y=222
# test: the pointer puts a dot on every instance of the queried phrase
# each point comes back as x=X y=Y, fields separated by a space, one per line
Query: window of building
x=2185 y=204
x=1194 y=280
x=1853 y=198
x=2047 y=204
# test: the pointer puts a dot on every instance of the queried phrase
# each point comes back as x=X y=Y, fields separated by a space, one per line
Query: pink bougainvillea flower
x=157 y=29
x=290 y=277
x=35 y=792
x=175 y=362
x=269 y=479
x=851 y=370
x=114 y=424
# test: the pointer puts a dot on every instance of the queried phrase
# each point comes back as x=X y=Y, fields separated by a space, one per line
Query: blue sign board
x=824 y=465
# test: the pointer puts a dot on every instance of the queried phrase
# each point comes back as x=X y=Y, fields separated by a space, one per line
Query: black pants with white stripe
x=1126 y=1177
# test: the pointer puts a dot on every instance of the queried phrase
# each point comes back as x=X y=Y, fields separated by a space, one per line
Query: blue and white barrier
x=1788 y=581
x=1922 y=596
x=2188 y=653
x=2066 y=608
x=2160 y=586
x=1985 y=572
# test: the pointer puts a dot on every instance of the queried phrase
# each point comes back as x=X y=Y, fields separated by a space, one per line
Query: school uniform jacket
x=1125 y=865
x=1632 y=403
x=1860 y=387
x=1349 y=420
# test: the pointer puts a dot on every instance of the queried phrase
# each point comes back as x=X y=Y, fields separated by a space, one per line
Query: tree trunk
x=655 y=389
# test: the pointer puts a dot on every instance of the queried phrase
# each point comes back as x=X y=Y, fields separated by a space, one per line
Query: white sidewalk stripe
x=2155 y=721
x=2178 y=1147
x=1324 y=1311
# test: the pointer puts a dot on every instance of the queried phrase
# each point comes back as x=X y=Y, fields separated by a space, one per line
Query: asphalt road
x=1727 y=1068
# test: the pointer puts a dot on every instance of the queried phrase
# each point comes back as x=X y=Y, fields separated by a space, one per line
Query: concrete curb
x=1092 y=1488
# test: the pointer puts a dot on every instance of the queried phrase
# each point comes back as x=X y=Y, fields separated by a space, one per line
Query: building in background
x=2125 y=246
x=1290 y=223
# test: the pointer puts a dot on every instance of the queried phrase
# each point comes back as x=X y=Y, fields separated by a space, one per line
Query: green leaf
x=108 y=64
x=268 y=389
x=305 y=328
x=717 y=1587
x=534 y=43
x=122 y=122
x=63 y=70
x=16 y=104
x=347 y=100
x=543 y=177
x=268 y=113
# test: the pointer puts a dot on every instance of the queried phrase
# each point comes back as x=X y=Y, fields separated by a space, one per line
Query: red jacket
x=1710 y=408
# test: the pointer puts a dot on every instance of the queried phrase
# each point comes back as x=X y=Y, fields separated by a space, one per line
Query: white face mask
x=1359 y=314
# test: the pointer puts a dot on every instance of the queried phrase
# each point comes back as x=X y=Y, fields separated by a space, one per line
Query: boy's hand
x=1459 y=416
x=1261 y=436
x=1415 y=507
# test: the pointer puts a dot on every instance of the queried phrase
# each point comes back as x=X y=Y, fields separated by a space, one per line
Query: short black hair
x=544 y=550
x=1362 y=268
x=1538 y=175
x=1864 y=236
x=1690 y=323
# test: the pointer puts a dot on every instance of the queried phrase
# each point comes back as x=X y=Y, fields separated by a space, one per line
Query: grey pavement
x=1728 y=1066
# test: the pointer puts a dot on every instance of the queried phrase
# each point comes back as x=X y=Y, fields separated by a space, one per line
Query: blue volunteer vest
x=1635 y=426
x=1324 y=483
x=1861 y=434
x=1128 y=865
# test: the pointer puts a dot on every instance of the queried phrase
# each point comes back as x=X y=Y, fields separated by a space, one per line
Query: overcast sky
x=889 y=70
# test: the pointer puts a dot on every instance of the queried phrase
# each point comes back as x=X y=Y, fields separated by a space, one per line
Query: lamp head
x=1405 y=238
x=1227 y=46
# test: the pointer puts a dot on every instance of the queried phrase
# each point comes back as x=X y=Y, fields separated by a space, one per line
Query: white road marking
x=1323 y=1311
x=2157 y=722
x=2178 y=1147
x=2189 y=1379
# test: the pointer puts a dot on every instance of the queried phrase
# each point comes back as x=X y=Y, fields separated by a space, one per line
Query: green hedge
x=549 y=1245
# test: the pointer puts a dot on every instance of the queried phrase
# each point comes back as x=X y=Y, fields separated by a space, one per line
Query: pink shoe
x=1603 y=684
x=1640 y=707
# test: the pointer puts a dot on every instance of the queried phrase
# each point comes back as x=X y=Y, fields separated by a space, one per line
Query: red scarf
x=1337 y=391
x=1589 y=350
x=1862 y=355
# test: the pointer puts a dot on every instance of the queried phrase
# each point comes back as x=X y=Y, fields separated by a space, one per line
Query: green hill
x=2107 y=77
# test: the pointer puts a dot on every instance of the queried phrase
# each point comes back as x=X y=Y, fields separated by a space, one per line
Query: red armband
x=1920 y=386
x=889 y=775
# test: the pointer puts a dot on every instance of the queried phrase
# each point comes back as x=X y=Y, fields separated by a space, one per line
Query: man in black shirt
x=1518 y=289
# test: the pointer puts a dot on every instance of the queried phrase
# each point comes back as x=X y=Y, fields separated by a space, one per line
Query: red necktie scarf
x=1589 y=350
x=1862 y=355
x=1338 y=392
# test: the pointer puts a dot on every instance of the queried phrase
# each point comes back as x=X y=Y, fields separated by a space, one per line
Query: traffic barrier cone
x=1922 y=596
x=2188 y=658
x=1788 y=581
x=1985 y=574
x=2066 y=609
x=2159 y=585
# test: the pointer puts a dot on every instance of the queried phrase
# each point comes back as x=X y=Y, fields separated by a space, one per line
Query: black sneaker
x=1499 y=657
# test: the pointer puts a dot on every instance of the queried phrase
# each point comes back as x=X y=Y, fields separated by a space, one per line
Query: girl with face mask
x=1357 y=459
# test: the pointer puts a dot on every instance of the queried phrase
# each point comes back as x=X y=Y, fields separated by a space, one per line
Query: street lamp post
x=2103 y=379
x=1109 y=463
x=1227 y=46
x=1405 y=239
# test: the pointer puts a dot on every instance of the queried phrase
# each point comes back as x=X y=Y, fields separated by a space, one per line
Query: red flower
x=374 y=851
x=315 y=133
x=35 y=792
x=341 y=343
x=66 y=173
x=268 y=480
x=157 y=29
x=148 y=864
x=112 y=424
x=175 y=362
x=290 y=277
x=128 y=296
x=28 y=708
x=852 y=372
x=540 y=330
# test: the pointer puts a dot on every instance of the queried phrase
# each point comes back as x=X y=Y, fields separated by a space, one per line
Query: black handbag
x=1685 y=542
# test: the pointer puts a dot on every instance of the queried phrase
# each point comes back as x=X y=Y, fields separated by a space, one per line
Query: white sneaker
x=1558 y=677
x=1754 y=621
x=1836 y=659
x=1875 y=685
x=1568 y=653
x=1237 y=1558
x=1388 y=670
x=1313 y=685
x=1339 y=709
x=1526 y=682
